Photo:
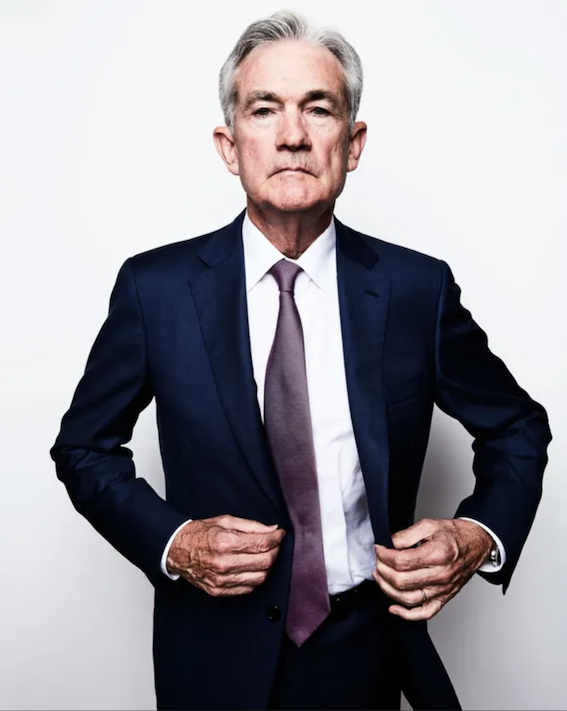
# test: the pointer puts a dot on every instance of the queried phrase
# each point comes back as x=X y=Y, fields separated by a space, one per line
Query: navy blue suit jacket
x=177 y=330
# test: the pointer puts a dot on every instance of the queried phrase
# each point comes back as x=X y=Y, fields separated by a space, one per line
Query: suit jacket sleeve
x=91 y=460
x=510 y=430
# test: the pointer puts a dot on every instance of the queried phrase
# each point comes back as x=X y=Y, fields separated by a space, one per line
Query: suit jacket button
x=273 y=613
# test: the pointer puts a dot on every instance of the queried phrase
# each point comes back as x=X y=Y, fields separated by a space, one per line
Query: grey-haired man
x=295 y=364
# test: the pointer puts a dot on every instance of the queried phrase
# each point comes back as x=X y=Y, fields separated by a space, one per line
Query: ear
x=226 y=146
x=356 y=144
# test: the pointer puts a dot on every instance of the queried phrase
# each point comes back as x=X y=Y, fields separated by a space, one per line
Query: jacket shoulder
x=398 y=253
x=401 y=262
x=172 y=256
x=184 y=255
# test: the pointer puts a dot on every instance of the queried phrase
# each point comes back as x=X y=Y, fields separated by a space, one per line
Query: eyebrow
x=323 y=95
x=255 y=96
x=313 y=95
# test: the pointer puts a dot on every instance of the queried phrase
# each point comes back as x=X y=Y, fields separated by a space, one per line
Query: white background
x=106 y=114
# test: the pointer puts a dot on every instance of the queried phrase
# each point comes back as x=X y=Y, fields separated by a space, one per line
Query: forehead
x=288 y=68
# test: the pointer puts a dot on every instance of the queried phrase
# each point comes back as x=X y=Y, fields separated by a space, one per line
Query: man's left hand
x=430 y=563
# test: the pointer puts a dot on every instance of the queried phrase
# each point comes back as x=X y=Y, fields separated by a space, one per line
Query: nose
x=293 y=132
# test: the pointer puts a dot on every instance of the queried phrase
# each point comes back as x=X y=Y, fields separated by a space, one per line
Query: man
x=295 y=364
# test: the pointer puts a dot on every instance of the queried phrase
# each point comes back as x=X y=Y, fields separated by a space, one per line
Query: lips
x=293 y=170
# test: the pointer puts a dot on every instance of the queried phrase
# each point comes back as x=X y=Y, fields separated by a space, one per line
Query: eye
x=320 y=111
x=262 y=111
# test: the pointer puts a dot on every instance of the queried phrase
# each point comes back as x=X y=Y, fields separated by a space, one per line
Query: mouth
x=293 y=170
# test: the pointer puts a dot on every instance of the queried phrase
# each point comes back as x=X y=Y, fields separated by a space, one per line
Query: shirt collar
x=318 y=261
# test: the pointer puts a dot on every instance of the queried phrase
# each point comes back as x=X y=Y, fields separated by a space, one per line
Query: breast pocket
x=405 y=390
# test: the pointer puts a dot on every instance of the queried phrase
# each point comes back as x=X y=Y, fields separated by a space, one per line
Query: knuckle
x=213 y=591
x=220 y=566
x=396 y=562
x=261 y=546
x=224 y=541
x=402 y=562
x=209 y=579
x=264 y=545
x=400 y=581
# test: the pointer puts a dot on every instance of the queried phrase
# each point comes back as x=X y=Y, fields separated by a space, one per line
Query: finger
x=243 y=562
x=240 y=542
x=228 y=592
x=406 y=598
x=422 y=612
x=235 y=580
x=415 y=579
x=431 y=553
x=243 y=524
x=415 y=534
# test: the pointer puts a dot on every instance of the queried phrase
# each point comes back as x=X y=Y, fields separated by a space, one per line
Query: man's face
x=291 y=144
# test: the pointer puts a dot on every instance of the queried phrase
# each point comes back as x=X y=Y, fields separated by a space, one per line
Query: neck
x=290 y=232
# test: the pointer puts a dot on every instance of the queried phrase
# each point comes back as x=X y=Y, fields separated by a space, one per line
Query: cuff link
x=494 y=555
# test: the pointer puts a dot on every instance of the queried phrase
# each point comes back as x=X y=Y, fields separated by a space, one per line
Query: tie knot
x=285 y=273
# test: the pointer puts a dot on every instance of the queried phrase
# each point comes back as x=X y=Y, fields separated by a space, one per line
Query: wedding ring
x=423 y=595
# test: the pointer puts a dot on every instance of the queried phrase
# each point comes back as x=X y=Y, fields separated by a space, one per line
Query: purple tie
x=288 y=425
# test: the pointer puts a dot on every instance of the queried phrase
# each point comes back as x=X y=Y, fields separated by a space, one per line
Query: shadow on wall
x=447 y=474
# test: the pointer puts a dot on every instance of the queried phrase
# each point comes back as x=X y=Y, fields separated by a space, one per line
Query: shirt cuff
x=164 y=570
x=490 y=566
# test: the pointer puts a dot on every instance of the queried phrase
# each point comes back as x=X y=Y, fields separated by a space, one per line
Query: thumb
x=409 y=537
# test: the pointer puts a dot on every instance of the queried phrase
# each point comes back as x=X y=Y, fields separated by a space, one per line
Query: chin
x=294 y=201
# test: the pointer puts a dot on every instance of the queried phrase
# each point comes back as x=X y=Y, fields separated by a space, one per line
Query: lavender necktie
x=288 y=424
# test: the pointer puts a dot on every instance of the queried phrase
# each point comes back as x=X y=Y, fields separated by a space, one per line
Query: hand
x=436 y=556
x=224 y=555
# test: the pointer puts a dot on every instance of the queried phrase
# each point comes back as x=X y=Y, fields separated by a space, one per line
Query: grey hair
x=289 y=25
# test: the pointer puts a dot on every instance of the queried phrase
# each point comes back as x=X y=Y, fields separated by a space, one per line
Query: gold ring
x=423 y=595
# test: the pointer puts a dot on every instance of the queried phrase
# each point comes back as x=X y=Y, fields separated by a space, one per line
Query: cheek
x=333 y=150
x=251 y=159
x=336 y=161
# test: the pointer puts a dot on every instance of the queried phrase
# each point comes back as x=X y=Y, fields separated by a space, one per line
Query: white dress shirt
x=348 y=539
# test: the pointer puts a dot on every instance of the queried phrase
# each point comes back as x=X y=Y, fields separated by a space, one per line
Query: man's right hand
x=224 y=555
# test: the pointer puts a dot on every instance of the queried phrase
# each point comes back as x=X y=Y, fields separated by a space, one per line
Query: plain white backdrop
x=106 y=114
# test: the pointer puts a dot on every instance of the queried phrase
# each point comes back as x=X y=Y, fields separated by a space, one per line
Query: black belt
x=365 y=595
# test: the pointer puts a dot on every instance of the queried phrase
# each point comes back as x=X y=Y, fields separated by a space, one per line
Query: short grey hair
x=289 y=25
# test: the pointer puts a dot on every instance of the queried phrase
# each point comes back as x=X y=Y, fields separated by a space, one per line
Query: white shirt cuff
x=164 y=570
x=490 y=566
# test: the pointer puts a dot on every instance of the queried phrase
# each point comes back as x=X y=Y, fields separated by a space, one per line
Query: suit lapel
x=364 y=294
x=219 y=294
